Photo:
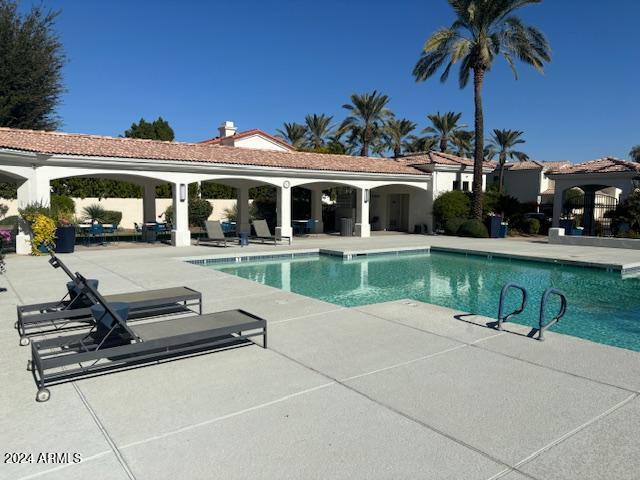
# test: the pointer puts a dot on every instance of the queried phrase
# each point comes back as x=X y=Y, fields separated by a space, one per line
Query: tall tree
x=635 y=153
x=417 y=144
x=318 y=129
x=396 y=134
x=367 y=114
x=443 y=128
x=31 y=61
x=502 y=144
x=482 y=31
x=159 y=129
x=294 y=133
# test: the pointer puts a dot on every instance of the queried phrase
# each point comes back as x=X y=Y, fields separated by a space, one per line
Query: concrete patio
x=394 y=390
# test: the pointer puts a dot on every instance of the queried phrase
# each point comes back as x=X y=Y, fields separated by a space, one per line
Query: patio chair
x=264 y=234
x=113 y=344
x=74 y=309
x=97 y=231
x=215 y=235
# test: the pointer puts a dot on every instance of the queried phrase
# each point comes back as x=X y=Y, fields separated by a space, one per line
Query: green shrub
x=531 y=225
x=10 y=220
x=473 y=228
x=93 y=213
x=62 y=203
x=33 y=209
x=453 y=225
x=113 y=217
x=453 y=204
x=199 y=211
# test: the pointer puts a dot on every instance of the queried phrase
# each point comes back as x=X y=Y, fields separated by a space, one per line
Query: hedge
x=474 y=229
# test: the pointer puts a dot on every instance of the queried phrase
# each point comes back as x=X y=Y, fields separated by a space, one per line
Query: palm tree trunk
x=501 y=182
x=443 y=144
x=478 y=77
x=397 y=152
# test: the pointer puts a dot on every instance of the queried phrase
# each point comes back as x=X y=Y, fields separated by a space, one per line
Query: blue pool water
x=603 y=306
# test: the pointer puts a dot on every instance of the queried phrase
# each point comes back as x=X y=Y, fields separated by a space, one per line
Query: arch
x=312 y=184
x=240 y=181
x=422 y=188
x=10 y=173
x=122 y=175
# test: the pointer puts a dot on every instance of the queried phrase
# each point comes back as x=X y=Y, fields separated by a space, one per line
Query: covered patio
x=35 y=158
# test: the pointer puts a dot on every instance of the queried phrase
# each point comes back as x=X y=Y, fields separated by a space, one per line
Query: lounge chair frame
x=216 y=240
x=52 y=357
x=267 y=238
x=43 y=318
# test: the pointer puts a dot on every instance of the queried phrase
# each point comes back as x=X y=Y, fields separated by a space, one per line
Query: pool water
x=602 y=306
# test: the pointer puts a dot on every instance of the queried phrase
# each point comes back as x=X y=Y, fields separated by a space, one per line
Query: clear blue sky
x=260 y=63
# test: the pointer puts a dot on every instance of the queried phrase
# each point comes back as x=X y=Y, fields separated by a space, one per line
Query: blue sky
x=260 y=63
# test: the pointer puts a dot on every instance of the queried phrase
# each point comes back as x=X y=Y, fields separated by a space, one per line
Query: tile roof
x=248 y=133
x=536 y=165
x=438 y=158
x=601 y=165
x=101 y=146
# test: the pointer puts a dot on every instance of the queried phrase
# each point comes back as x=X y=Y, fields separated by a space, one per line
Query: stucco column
x=34 y=189
x=316 y=210
x=558 y=197
x=149 y=202
x=363 y=229
x=180 y=234
x=283 y=208
x=242 y=203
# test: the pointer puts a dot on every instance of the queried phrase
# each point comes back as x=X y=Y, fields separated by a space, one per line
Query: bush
x=10 y=220
x=94 y=213
x=474 y=229
x=112 y=217
x=62 y=203
x=33 y=209
x=199 y=211
x=453 y=204
x=453 y=225
x=531 y=225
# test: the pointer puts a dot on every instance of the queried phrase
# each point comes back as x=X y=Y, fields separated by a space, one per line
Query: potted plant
x=65 y=233
x=43 y=231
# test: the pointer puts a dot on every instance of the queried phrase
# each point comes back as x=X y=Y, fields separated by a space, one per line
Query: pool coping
x=349 y=254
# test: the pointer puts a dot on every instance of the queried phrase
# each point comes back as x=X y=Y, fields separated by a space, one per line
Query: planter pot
x=42 y=248
x=65 y=239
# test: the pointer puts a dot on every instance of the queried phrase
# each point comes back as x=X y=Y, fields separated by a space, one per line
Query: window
x=456 y=185
x=465 y=186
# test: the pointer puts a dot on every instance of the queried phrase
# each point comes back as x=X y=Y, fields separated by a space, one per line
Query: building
x=528 y=181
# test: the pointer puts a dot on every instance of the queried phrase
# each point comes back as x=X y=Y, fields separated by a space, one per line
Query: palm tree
x=635 y=153
x=294 y=133
x=368 y=113
x=462 y=142
x=501 y=144
x=318 y=129
x=482 y=31
x=396 y=134
x=417 y=144
x=444 y=128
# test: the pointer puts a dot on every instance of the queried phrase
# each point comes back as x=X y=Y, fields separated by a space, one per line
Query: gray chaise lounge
x=68 y=313
x=215 y=234
x=113 y=344
x=264 y=234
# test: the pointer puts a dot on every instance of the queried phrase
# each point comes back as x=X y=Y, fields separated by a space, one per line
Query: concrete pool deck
x=394 y=390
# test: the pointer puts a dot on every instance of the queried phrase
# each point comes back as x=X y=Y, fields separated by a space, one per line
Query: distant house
x=529 y=182
x=230 y=137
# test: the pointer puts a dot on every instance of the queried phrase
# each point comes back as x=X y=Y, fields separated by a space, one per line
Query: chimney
x=227 y=129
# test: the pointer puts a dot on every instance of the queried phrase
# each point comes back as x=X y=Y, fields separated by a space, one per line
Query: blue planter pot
x=65 y=239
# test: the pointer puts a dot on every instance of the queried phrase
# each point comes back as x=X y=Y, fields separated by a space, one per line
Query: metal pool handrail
x=505 y=318
x=542 y=326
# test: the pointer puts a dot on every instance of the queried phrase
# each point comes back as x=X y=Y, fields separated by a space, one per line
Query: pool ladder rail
x=543 y=324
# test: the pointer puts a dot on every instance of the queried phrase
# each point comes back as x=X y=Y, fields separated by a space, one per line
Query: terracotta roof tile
x=601 y=165
x=99 y=146
x=438 y=158
x=248 y=133
x=536 y=165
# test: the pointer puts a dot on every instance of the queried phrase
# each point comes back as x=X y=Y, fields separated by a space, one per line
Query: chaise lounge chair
x=114 y=344
x=264 y=234
x=74 y=309
x=215 y=234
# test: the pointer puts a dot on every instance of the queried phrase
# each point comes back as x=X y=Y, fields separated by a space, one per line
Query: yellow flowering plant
x=44 y=233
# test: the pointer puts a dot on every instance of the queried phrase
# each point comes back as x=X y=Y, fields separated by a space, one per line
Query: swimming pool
x=603 y=306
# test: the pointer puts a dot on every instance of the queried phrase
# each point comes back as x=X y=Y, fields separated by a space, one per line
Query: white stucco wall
x=419 y=209
x=131 y=208
x=257 y=141
x=525 y=185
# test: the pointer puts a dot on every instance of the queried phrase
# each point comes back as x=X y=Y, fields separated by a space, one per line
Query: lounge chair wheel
x=43 y=395
x=29 y=366
x=24 y=341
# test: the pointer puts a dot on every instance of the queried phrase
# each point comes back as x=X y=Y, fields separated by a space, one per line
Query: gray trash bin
x=346 y=227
